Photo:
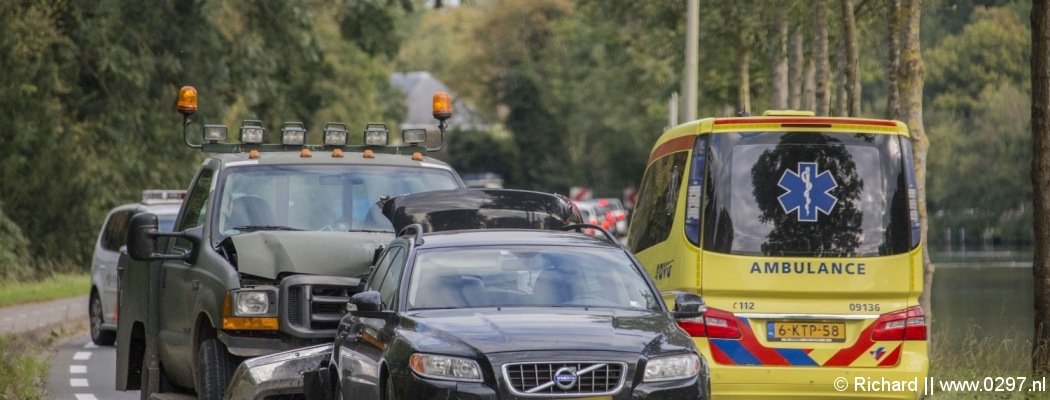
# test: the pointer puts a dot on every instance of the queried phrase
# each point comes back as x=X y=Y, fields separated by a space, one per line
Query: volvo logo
x=565 y=378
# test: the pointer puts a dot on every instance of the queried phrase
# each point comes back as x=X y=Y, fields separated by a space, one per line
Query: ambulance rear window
x=807 y=194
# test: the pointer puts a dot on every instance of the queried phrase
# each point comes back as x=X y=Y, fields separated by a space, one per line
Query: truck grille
x=565 y=378
x=311 y=306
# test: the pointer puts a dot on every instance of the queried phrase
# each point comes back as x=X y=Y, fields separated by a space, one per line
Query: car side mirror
x=365 y=302
x=142 y=240
x=688 y=305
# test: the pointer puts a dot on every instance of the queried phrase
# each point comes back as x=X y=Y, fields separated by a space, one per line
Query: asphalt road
x=82 y=371
x=29 y=317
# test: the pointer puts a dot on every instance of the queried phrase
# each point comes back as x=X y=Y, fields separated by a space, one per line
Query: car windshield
x=318 y=197
x=527 y=276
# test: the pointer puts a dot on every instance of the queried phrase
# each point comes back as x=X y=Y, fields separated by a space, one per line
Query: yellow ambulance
x=802 y=235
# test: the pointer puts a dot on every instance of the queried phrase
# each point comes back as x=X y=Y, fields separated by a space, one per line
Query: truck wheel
x=214 y=369
x=98 y=335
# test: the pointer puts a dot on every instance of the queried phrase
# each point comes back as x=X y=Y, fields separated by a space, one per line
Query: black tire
x=215 y=366
x=99 y=336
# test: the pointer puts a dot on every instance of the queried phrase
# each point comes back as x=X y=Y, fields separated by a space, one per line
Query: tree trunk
x=839 y=104
x=1041 y=182
x=893 y=60
x=809 y=86
x=911 y=83
x=852 y=59
x=820 y=55
x=744 y=73
x=795 y=70
x=780 y=62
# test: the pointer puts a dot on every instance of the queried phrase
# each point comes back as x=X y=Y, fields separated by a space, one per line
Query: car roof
x=512 y=237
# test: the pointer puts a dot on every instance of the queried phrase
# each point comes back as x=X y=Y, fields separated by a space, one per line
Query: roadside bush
x=15 y=262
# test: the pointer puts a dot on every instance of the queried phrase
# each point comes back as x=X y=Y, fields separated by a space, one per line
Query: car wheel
x=99 y=336
x=214 y=369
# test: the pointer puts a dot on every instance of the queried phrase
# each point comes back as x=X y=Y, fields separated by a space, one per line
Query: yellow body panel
x=854 y=291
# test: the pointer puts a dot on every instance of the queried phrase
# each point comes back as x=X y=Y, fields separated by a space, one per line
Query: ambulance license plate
x=797 y=331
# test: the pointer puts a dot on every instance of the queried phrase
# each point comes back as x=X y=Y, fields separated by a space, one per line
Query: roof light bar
x=293 y=134
x=414 y=137
x=376 y=135
x=215 y=133
x=335 y=134
x=252 y=132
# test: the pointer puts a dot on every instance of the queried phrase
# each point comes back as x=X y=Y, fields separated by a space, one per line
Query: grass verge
x=55 y=287
x=1001 y=361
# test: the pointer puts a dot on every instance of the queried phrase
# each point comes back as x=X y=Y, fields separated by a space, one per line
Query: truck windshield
x=807 y=194
x=528 y=276
x=317 y=197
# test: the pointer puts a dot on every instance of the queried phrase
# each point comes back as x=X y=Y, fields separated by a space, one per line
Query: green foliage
x=979 y=127
x=15 y=263
x=87 y=120
x=23 y=369
x=57 y=286
x=993 y=49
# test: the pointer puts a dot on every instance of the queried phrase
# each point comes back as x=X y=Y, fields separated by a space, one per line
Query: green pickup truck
x=267 y=248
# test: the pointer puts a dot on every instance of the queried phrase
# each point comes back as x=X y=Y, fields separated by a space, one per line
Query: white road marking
x=82 y=355
x=78 y=369
x=78 y=382
x=83 y=396
x=90 y=345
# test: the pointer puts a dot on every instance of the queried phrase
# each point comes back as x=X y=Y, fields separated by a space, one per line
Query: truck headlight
x=671 y=368
x=445 y=367
x=254 y=303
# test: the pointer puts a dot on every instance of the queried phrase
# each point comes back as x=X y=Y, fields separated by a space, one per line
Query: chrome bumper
x=275 y=374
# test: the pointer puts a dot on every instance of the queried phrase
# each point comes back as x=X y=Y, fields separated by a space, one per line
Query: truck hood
x=269 y=254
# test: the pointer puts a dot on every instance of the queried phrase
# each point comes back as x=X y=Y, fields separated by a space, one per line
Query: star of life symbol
x=807 y=192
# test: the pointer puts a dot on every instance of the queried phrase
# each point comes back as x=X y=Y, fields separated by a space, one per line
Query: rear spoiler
x=460 y=209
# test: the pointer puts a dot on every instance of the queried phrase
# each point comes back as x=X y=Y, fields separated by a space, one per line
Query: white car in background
x=102 y=304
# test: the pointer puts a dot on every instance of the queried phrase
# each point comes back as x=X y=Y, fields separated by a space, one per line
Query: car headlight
x=672 y=367
x=445 y=367
x=254 y=303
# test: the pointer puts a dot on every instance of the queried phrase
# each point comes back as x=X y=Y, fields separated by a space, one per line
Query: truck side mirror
x=141 y=236
x=688 y=305
x=142 y=240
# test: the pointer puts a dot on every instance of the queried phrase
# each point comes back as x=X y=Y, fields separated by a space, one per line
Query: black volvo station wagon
x=508 y=313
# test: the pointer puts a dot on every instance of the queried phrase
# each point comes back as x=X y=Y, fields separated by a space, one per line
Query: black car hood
x=543 y=329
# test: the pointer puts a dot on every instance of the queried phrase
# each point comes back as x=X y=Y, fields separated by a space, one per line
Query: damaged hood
x=269 y=254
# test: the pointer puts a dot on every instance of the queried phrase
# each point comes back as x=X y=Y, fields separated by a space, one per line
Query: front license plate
x=793 y=331
x=591 y=398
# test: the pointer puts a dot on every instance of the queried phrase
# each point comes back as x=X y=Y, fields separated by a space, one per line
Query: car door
x=362 y=350
x=113 y=237
x=176 y=286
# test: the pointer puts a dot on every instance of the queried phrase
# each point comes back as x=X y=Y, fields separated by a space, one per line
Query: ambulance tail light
x=908 y=324
x=715 y=324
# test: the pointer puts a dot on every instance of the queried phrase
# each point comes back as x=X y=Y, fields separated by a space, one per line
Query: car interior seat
x=249 y=210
